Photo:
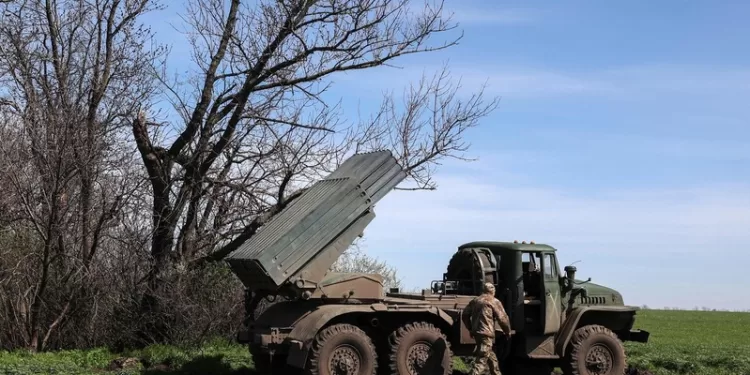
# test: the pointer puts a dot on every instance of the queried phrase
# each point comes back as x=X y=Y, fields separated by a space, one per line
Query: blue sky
x=622 y=138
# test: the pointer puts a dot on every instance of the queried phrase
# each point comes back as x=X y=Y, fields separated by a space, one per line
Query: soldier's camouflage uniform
x=482 y=312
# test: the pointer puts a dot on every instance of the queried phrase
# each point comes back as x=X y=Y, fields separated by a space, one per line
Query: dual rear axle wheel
x=420 y=348
x=417 y=348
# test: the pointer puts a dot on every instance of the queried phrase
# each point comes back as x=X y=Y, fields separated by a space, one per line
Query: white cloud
x=628 y=82
x=505 y=81
x=469 y=12
x=649 y=243
x=720 y=149
x=479 y=209
x=529 y=83
x=679 y=78
x=467 y=15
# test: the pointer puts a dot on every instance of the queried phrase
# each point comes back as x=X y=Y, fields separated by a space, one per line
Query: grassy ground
x=693 y=342
x=682 y=342
x=217 y=357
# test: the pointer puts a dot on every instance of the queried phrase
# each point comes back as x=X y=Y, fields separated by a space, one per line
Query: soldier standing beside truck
x=482 y=313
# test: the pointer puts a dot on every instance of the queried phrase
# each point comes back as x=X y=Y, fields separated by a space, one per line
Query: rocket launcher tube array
x=302 y=241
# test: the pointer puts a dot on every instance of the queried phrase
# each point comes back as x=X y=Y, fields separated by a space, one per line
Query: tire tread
x=395 y=339
x=332 y=331
x=576 y=342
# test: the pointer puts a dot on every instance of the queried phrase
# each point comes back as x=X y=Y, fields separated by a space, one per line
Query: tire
x=595 y=350
x=410 y=351
x=342 y=341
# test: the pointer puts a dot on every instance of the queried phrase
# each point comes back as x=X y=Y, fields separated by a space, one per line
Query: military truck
x=305 y=318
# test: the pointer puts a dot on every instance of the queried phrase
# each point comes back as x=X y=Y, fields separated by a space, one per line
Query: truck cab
x=545 y=306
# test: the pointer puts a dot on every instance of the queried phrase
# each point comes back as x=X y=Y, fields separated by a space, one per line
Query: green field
x=693 y=342
x=682 y=342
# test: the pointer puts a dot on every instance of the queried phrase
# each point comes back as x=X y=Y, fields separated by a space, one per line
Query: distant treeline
x=696 y=308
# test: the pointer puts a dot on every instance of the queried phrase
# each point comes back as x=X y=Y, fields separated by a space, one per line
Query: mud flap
x=502 y=346
x=297 y=354
x=243 y=336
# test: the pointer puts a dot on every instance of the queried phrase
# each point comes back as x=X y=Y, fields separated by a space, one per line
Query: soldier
x=481 y=315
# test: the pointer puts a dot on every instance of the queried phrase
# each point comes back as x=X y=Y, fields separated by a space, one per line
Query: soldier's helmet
x=489 y=288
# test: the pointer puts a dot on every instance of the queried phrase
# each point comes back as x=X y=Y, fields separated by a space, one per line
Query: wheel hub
x=417 y=357
x=599 y=360
x=344 y=361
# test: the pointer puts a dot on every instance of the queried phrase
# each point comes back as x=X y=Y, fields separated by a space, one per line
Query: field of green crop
x=693 y=342
x=682 y=342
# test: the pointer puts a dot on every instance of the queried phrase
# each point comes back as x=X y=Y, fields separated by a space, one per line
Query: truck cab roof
x=496 y=246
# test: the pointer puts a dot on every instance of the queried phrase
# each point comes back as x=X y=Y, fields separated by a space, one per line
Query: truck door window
x=550 y=268
x=532 y=274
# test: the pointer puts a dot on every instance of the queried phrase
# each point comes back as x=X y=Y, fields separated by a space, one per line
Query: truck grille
x=593 y=300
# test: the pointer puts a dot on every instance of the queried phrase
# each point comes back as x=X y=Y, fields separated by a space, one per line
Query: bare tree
x=99 y=185
x=356 y=260
x=71 y=71
x=255 y=122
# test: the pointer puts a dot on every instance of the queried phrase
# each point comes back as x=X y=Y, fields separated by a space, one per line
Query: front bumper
x=637 y=335
x=267 y=338
x=277 y=342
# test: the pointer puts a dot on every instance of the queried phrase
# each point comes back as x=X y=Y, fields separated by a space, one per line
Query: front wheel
x=342 y=349
x=595 y=350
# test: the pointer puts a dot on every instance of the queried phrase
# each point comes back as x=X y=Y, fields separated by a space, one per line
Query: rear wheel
x=342 y=349
x=595 y=350
x=419 y=349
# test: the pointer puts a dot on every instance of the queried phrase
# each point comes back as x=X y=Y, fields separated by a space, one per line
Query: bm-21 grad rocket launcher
x=345 y=323
x=292 y=254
